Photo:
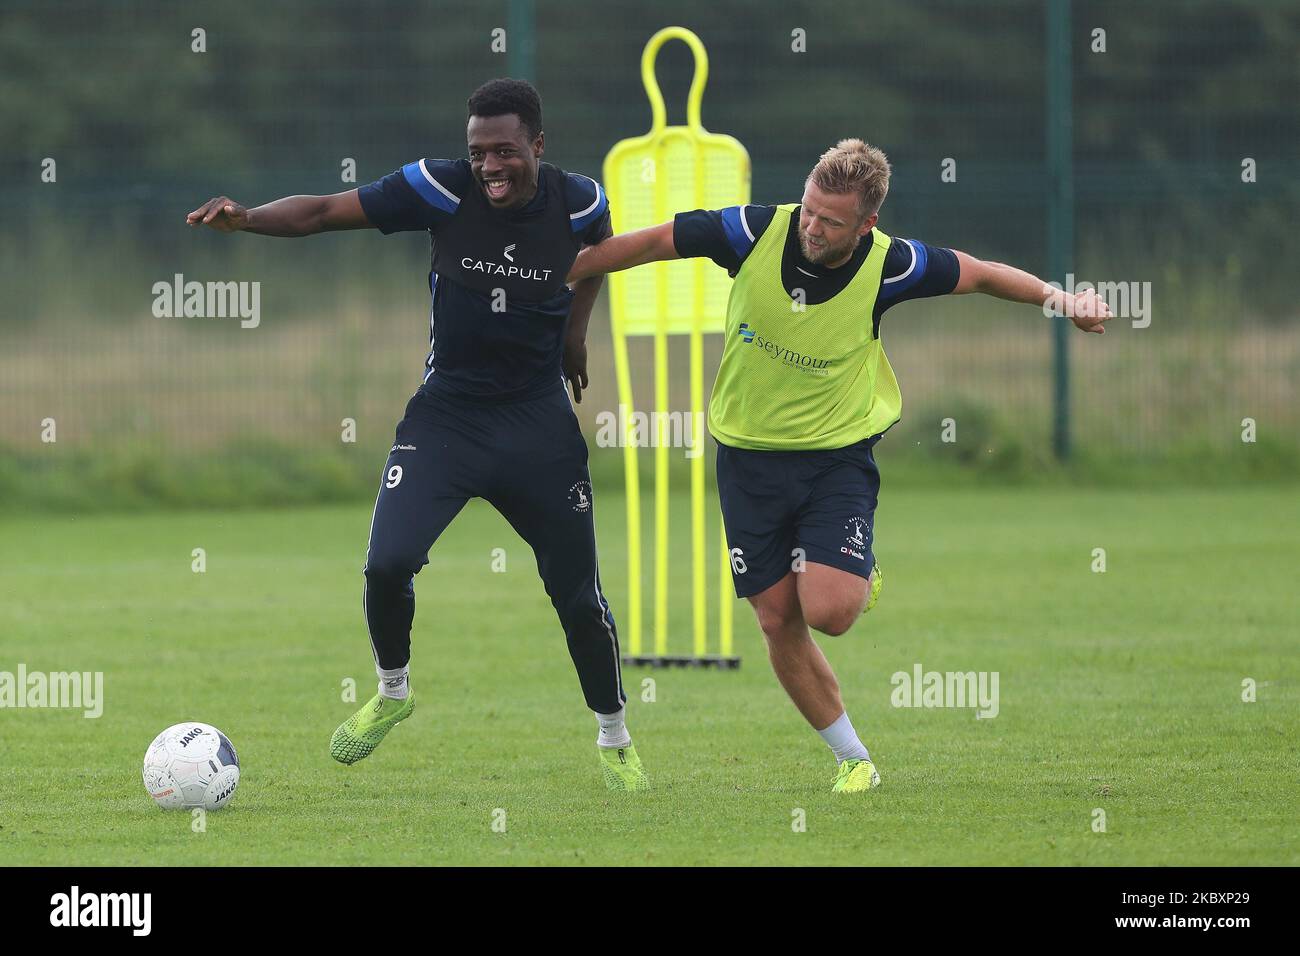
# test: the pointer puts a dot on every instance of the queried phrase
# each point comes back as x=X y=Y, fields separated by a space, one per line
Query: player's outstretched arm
x=289 y=217
x=623 y=252
x=1087 y=310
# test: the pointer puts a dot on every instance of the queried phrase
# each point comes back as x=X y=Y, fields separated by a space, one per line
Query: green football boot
x=856 y=775
x=359 y=735
x=621 y=768
x=877 y=582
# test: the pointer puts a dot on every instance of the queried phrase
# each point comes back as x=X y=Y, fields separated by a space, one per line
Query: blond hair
x=853 y=166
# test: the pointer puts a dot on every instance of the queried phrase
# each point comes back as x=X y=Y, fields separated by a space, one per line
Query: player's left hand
x=574 y=364
x=1088 y=311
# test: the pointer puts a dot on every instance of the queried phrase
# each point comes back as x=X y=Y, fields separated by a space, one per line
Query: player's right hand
x=1088 y=311
x=221 y=213
x=574 y=364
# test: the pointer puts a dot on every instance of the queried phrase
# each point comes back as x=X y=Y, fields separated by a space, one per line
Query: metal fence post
x=1060 y=205
x=521 y=39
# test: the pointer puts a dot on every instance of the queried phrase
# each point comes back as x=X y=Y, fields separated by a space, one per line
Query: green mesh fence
x=1186 y=140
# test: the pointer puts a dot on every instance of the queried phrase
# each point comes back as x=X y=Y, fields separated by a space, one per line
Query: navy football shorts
x=783 y=507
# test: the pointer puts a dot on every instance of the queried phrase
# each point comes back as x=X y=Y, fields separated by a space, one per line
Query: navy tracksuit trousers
x=528 y=459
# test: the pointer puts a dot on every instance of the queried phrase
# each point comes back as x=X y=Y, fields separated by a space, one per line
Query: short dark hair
x=504 y=96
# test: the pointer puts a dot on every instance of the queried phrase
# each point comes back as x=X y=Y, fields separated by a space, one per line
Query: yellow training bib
x=799 y=376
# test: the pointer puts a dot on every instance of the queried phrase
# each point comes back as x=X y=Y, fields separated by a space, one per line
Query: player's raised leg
x=419 y=494
x=806 y=675
x=544 y=490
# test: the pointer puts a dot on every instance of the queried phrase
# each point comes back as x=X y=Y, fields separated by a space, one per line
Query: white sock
x=843 y=740
x=613 y=732
x=395 y=683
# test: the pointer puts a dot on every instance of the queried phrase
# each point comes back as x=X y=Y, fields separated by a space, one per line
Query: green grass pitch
x=1119 y=691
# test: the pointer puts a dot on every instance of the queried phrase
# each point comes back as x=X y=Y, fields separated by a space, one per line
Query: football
x=191 y=765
